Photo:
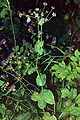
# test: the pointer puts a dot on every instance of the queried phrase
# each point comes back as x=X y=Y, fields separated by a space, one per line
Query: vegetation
x=39 y=74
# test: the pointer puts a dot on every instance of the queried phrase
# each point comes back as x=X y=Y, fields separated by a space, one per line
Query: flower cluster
x=40 y=15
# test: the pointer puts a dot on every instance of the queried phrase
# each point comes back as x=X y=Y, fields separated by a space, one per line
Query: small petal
x=54 y=14
x=44 y=3
x=52 y=7
x=20 y=15
x=37 y=9
x=28 y=19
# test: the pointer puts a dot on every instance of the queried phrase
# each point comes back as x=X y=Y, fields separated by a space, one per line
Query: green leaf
x=17 y=47
x=77 y=53
x=1 y=82
x=78 y=118
x=55 y=67
x=41 y=103
x=4 y=12
x=47 y=116
x=24 y=116
x=74 y=59
x=65 y=93
x=73 y=92
x=77 y=99
x=2 y=109
x=41 y=79
x=21 y=50
x=69 y=68
x=32 y=70
x=47 y=96
x=62 y=64
x=78 y=69
x=75 y=111
x=39 y=47
x=35 y=96
x=63 y=74
x=22 y=92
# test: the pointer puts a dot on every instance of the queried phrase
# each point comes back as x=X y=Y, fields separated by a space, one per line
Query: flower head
x=28 y=19
x=44 y=3
x=20 y=14
x=12 y=88
x=54 y=14
x=53 y=7
x=37 y=9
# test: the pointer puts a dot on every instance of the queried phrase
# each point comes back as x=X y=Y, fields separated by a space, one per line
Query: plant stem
x=13 y=31
x=49 y=13
x=38 y=29
x=41 y=32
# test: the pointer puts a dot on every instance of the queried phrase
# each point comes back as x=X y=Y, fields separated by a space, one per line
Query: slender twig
x=76 y=29
x=49 y=13
x=14 y=37
x=49 y=64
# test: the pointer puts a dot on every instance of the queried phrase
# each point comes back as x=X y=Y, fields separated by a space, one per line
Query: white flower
x=46 y=19
x=44 y=3
x=36 y=15
x=42 y=14
x=54 y=14
x=32 y=13
x=37 y=9
x=28 y=19
x=20 y=15
x=27 y=15
x=52 y=7
x=46 y=11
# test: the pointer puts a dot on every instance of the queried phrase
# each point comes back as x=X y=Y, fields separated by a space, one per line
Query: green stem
x=38 y=29
x=49 y=13
x=56 y=48
x=55 y=108
x=13 y=31
x=41 y=32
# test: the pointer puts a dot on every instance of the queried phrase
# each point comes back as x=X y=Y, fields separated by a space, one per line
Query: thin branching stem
x=12 y=24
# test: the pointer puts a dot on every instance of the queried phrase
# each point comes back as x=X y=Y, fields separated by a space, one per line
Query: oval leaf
x=41 y=79
x=35 y=96
x=48 y=96
x=41 y=104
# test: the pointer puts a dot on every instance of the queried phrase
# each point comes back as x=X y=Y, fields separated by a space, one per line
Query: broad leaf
x=47 y=116
x=21 y=50
x=78 y=69
x=41 y=79
x=65 y=93
x=35 y=96
x=47 y=96
x=41 y=103
x=39 y=47
x=73 y=58
x=24 y=116
x=77 y=53
x=32 y=70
